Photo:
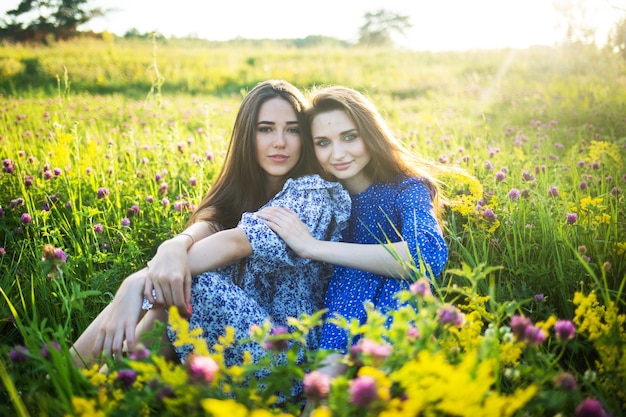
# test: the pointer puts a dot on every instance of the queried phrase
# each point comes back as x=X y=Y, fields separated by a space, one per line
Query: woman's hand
x=120 y=318
x=169 y=276
x=286 y=224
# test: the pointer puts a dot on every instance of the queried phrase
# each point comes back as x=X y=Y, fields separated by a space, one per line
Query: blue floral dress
x=380 y=213
x=273 y=283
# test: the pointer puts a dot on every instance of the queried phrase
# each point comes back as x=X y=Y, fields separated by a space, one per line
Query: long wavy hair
x=240 y=185
x=390 y=161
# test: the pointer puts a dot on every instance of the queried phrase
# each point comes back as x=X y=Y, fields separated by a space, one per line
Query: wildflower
x=489 y=215
x=209 y=156
x=277 y=344
x=28 y=181
x=539 y=297
x=413 y=332
x=193 y=181
x=125 y=222
x=50 y=253
x=500 y=176
x=157 y=177
x=203 y=368
x=582 y=249
x=583 y=185
x=7 y=166
x=98 y=228
x=615 y=191
x=2 y=251
x=534 y=336
x=527 y=176
x=103 y=192
x=45 y=350
x=378 y=352
x=526 y=193
x=421 y=288
x=449 y=314
x=316 y=385
x=57 y=172
x=149 y=199
x=488 y=165
x=132 y=211
x=165 y=202
x=163 y=188
x=553 y=191
x=514 y=194
x=1 y=212
x=565 y=381
x=18 y=354
x=519 y=325
x=139 y=354
x=363 y=391
x=26 y=219
x=127 y=377
x=572 y=218
x=564 y=330
x=590 y=408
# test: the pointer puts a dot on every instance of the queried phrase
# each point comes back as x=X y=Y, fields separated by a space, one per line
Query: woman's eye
x=349 y=138
x=265 y=129
x=294 y=130
x=323 y=142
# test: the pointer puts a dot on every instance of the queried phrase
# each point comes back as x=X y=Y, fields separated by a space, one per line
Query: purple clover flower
x=26 y=219
x=316 y=385
x=277 y=344
x=98 y=228
x=127 y=377
x=514 y=194
x=565 y=381
x=18 y=354
x=564 y=330
x=590 y=408
x=363 y=391
x=572 y=218
x=489 y=215
x=103 y=192
x=553 y=191
x=125 y=222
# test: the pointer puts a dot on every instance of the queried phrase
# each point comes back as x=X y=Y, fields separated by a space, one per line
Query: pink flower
x=413 y=332
x=377 y=351
x=275 y=342
x=449 y=314
x=26 y=219
x=203 y=368
x=363 y=391
x=125 y=222
x=421 y=288
x=316 y=385
x=193 y=181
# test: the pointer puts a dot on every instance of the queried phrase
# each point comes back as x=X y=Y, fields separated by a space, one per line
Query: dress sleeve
x=420 y=228
x=324 y=207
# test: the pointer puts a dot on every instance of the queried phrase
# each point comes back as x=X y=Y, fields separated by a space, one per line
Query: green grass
x=544 y=117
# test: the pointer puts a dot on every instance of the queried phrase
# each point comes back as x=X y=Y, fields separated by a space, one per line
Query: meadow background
x=107 y=145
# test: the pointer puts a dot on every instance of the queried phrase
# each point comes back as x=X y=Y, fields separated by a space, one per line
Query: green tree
x=379 y=26
x=617 y=38
x=37 y=19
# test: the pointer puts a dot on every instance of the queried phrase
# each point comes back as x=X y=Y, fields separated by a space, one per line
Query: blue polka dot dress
x=380 y=213
x=273 y=283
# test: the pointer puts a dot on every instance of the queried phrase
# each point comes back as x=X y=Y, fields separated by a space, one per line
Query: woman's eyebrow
x=345 y=132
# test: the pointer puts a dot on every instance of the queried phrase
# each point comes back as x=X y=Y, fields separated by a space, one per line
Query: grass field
x=108 y=145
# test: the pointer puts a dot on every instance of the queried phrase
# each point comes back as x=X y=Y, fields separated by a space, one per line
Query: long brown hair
x=240 y=186
x=390 y=161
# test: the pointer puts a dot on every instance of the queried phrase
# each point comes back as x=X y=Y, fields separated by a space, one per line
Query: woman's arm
x=168 y=271
x=386 y=259
x=218 y=250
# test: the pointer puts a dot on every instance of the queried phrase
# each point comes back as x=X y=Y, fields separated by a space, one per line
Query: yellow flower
x=224 y=408
x=321 y=411
x=84 y=407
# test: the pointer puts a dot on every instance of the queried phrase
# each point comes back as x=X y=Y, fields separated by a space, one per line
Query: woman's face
x=340 y=149
x=278 y=143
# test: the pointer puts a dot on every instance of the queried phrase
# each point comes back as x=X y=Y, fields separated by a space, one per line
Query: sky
x=436 y=24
